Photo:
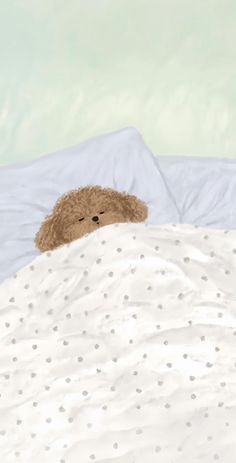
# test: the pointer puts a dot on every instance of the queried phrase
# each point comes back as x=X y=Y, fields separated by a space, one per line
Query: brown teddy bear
x=82 y=211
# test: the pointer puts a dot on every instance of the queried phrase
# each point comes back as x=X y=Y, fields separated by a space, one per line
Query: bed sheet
x=120 y=347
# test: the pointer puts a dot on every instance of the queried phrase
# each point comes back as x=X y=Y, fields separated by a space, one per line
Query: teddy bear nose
x=95 y=218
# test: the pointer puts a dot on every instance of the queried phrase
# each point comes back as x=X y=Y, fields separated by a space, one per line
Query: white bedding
x=121 y=348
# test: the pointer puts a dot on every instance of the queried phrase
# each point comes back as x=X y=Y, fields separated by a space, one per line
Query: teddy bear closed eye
x=84 y=210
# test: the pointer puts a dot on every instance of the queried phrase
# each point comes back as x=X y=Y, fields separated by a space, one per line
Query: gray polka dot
x=48 y=420
x=98 y=261
x=103 y=242
x=96 y=346
x=85 y=393
x=34 y=346
x=169 y=365
x=92 y=457
x=138 y=390
x=167 y=405
x=48 y=359
x=180 y=296
x=192 y=378
x=139 y=431
x=193 y=396
x=209 y=365
x=115 y=445
x=62 y=409
x=80 y=359
x=157 y=449
x=35 y=404
x=12 y=299
x=141 y=256
x=67 y=380
x=119 y=249
x=110 y=274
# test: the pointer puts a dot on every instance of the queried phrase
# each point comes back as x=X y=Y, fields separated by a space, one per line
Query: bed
x=120 y=347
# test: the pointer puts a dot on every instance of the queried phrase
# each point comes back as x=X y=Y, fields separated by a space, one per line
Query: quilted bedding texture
x=120 y=347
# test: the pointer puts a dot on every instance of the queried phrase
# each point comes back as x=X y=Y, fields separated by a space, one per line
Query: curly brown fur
x=82 y=211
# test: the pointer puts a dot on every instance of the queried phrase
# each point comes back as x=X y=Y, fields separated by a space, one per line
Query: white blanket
x=121 y=348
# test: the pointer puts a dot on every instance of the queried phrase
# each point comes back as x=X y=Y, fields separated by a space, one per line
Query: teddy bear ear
x=48 y=236
x=135 y=209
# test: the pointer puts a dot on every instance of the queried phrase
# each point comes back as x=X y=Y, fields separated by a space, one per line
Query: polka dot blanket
x=121 y=348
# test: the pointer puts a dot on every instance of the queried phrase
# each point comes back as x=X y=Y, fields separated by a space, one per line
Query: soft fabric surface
x=120 y=160
x=120 y=348
x=203 y=190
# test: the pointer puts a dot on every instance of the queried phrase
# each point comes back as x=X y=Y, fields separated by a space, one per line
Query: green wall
x=72 y=69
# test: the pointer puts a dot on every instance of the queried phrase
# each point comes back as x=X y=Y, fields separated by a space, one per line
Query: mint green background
x=72 y=69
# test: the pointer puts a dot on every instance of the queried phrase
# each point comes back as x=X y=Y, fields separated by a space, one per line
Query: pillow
x=203 y=189
x=28 y=191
